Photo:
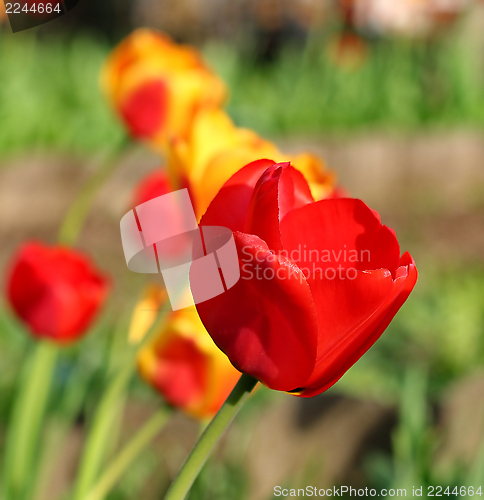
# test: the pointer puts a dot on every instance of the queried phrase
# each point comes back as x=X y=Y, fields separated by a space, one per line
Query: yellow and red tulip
x=182 y=363
x=157 y=86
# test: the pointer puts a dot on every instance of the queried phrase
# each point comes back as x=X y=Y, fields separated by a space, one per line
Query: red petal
x=266 y=326
x=145 y=110
x=339 y=232
x=181 y=374
x=335 y=358
x=344 y=304
x=279 y=190
x=250 y=174
x=153 y=185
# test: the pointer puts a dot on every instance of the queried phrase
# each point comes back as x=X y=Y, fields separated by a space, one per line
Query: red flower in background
x=151 y=186
x=55 y=290
x=290 y=321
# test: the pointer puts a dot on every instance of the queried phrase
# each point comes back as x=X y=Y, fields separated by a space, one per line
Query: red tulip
x=320 y=281
x=55 y=290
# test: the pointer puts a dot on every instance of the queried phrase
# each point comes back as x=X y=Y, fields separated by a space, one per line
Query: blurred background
x=391 y=94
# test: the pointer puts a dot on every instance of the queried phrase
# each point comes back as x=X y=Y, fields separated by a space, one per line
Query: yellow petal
x=321 y=180
x=227 y=163
x=145 y=313
x=212 y=132
x=214 y=151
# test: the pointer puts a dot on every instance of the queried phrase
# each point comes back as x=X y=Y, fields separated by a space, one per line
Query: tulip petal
x=183 y=364
x=279 y=190
x=179 y=371
x=227 y=161
x=153 y=185
x=266 y=323
x=144 y=110
x=212 y=131
x=320 y=179
x=265 y=200
x=339 y=232
x=157 y=86
x=340 y=354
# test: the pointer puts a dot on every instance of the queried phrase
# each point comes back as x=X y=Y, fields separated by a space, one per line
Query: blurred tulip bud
x=321 y=180
x=55 y=290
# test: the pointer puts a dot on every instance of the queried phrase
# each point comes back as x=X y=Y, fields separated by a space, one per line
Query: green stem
x=196 y=460
x=109 y=406
x=79 y=210
x=128 y=454
x=26 y=420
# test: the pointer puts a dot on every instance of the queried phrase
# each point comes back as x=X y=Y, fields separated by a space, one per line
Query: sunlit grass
x=50 y=97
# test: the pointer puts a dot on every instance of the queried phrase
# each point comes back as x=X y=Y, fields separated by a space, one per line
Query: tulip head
x=157 y=86
x=320 y=280
x=183 y=364
x=55 y=290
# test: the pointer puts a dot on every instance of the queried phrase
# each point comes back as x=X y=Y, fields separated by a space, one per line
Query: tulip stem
x=128 y=454
x=78 y=211
x=196 y=460
x=26 y=420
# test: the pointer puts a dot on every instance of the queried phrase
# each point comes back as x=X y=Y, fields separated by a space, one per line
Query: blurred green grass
x=402 y=85
x=50 y=97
